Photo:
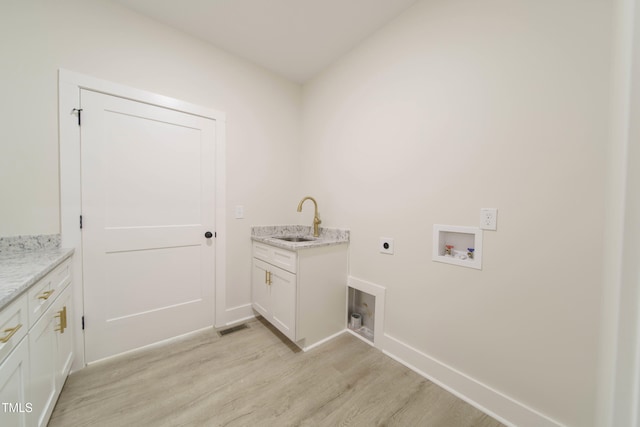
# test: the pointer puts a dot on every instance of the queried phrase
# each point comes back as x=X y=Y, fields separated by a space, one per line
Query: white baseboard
x=322 y=341
x=235 y=315
x=238 y=322
x=499 y=406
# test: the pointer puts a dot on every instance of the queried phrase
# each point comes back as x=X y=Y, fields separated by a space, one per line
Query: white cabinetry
x=301 y=293
x=14 y=368
x=36 y=363
x=42 y=393
x=274 y=296
x=63 y=311
x=14 y=374
x=50 y=344
x=50 y=355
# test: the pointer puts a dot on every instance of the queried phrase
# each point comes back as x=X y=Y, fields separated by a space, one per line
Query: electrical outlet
x=239 y=212
x=386 y=245
x=489 y=218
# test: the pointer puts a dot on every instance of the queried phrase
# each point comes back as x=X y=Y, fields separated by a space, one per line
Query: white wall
x=104 y=40
x=459 y=105
x=620 y=367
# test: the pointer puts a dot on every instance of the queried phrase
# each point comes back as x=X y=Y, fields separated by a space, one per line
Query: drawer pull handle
x=62 y=315
x=11 y=332
x=45 y=295
x=269 y=278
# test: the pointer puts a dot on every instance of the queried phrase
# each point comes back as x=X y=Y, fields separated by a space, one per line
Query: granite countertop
x=328 y=236
x=19 y=269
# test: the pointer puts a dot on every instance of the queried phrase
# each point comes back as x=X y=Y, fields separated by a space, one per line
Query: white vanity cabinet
x=301 y=292
x=38 y=356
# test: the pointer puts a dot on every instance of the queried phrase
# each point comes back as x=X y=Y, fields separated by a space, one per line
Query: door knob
x=208 y=234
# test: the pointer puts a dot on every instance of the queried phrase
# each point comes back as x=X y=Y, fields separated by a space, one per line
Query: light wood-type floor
x=255 y=377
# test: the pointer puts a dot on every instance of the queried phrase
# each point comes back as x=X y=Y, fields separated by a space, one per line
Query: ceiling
x=294 y=38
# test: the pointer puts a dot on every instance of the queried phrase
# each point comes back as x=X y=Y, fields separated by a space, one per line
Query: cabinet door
x=283 y=301
x=42 y=351
x=260 y=288
x=63 y=311
x=14 y=377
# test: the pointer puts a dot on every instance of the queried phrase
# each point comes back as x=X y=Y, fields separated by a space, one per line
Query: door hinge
x=83 y=323
x=80 y=222
x=78 y=113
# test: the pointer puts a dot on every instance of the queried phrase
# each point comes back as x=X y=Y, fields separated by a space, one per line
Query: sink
x=295 y=239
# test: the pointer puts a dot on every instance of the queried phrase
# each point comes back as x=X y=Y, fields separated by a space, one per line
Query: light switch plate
x=239 y=212
x=489 y=218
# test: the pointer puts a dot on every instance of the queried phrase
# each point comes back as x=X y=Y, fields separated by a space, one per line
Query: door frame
x=69 y=85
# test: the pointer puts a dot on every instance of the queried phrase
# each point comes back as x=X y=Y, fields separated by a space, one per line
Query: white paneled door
x=148 y=196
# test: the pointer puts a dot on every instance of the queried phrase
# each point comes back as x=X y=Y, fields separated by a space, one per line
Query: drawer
x=41 y=295
x=13 y=325
x=61 y=276
x=282 y=258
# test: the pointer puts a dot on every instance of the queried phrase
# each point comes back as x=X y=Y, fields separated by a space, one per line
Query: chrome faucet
x=316 y=219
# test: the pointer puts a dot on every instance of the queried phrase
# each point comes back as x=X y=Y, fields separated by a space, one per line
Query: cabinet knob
x=208 y=234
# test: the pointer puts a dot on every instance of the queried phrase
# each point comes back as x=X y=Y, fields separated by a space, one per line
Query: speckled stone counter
x=29 y=243
x=25 y=260
x=328 y=236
